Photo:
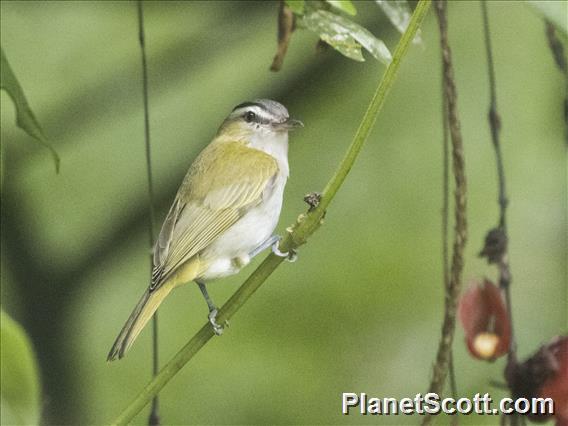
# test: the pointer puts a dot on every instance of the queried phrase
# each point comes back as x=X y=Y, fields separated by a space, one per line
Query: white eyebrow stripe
x=264 y=115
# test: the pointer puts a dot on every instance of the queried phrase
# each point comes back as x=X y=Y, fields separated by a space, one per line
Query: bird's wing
x=214 y=195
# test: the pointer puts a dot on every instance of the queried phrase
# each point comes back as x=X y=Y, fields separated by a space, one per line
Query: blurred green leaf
x=296 y=6
x=398 y=12
x=20 y=382
x=25 y=118
x=346 y=36
x=555 y=11
x=344 y=5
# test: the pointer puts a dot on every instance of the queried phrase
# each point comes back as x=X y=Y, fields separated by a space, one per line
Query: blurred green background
x=361 y=309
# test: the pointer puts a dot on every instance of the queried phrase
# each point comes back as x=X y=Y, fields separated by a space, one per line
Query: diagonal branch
x=296 y=235
x=454 y=287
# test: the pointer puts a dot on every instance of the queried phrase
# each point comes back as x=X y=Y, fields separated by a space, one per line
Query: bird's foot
x=268 y=243
x=217 y=328
x=291 y=256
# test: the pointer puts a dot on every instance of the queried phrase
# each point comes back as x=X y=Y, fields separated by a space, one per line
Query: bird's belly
x=230 y=252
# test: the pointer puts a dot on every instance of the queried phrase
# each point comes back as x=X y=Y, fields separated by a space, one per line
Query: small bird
x=224 y=213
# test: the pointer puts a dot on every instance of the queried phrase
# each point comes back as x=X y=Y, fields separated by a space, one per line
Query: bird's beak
x=290 y=124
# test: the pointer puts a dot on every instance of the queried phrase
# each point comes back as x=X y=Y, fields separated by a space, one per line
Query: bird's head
x=258 y=119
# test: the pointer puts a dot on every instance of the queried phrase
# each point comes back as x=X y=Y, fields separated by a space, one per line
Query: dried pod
x=286 y=26
x=495 y=245
x=312 y=199
x=485 y=321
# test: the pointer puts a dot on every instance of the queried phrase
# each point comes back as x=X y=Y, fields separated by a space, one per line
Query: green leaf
x=25 y=118
x=296 y=6
x=554 y=11
x=345 y=36
x=20 y=382
x=344 y=5
x=398 y=12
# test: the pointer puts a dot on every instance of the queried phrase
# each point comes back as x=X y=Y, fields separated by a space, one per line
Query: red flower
x=485 y=321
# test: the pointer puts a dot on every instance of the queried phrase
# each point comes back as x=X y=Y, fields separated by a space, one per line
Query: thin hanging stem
x=297 y=234
x=445 y=228
x=557 y=50
x=445 y=189
x=453 y=290
x=495 y=125
x=494 y=118
x=501 y=256
x=154 y=417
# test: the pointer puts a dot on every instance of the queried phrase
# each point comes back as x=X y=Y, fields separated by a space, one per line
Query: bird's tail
x=137 y=320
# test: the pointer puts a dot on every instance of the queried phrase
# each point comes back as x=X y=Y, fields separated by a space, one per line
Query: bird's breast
x=229 y=253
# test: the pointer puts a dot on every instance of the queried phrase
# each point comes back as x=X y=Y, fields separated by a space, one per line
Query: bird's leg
x=264 y=245
x=217 y=329
x=290 y=256
x=273 y=242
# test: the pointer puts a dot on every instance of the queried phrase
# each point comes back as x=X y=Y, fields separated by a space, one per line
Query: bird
x=224 y=213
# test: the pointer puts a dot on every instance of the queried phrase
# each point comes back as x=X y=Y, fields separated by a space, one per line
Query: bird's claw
x=217 y=328
x=291 y=256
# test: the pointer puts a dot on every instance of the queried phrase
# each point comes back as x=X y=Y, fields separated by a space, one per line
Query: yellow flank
x=186 y=272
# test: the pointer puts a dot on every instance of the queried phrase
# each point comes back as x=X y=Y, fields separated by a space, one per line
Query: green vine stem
x=296 y=235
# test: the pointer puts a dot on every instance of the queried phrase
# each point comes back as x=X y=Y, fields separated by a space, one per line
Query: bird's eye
x=250 y=116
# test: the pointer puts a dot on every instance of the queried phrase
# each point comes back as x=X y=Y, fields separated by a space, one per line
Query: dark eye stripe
x=259 y=117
